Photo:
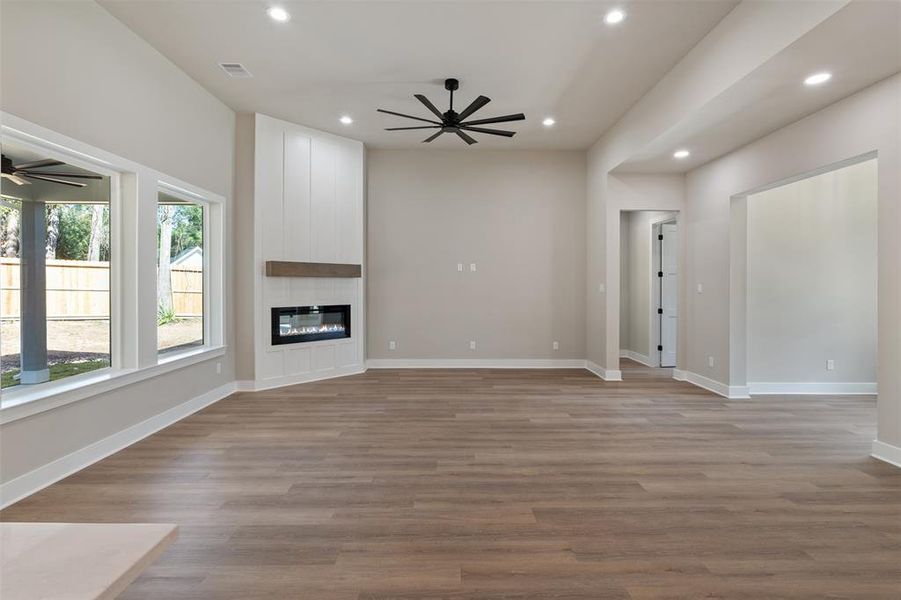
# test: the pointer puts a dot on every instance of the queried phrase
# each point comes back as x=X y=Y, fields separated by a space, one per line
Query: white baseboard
x=639 y=358
x=280 y=382
x=825 y=389
x=733 y=392
x=886 y=453
x=475 y=363
x=605 y=374
x=33 y=481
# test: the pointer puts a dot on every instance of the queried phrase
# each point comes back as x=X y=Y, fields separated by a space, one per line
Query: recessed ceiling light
x=681 y=154
x=277 y=13
x=614 y=16
x=548 y=121
x=346 y=120
x=818 y=78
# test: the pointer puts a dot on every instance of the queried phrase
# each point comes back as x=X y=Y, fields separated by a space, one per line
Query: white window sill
x=25 y=401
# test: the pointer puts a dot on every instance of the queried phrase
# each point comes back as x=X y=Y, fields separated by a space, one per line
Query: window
x=54 y=269
x=80 y=312
x=181 y=253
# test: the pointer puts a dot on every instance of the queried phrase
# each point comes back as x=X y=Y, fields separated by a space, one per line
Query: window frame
x=133 y=342
x=213 y=310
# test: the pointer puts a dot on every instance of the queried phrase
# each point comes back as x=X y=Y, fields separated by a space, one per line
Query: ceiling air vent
x=235 y=69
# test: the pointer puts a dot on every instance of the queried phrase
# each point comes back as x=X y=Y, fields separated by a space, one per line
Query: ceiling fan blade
x=504 y=119
x=47 y=162
x=55 y=174
x=77 y=184
x=16 y=179
x=476 y=105
x=429 y=105
x=403 y=128
x=489 y=131
x=429 y=139
x=466 y=138
x=397 y=114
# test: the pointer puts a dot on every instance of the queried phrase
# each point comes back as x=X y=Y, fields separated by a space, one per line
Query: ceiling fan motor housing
x=451 y=121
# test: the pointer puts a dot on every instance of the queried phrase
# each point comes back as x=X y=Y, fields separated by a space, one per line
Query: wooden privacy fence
x=79 y=289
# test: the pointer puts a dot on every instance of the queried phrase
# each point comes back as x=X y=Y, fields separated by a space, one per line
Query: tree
x=52 y=229
x=11 y=234
x=164 y=270
x=96 y=232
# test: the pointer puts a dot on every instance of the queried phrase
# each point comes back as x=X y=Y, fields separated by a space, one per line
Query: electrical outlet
x=472 y=267
x=830 y=365
x=556 y=345
x=710 y=361
x=392 y=345
x=472 y=344
x=218 y=368
x=700 y=288
x=460 y=267
x=602 y=288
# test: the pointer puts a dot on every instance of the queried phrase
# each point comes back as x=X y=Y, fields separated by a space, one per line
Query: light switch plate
x=472 y=267
x=460 y=267
x=709 y=361
x=830 y=365
x=602 y=288
x=556 y=345
x=472 y=345
x=700 y=288
x=392 y=345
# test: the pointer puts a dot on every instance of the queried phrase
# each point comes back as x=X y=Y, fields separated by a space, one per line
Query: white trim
x=21 y=402
x=639 y=358
x=733 y=392
x=605 y=374
x=33 y=481
x=825 y=389
x=886 y=453
x=476 y=363
x=280 y=382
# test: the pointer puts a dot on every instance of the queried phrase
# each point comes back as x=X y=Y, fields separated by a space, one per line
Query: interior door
x=669 y=283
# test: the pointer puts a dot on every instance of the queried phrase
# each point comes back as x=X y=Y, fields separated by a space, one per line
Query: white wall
x=732 y=50
x=89 y=77
x=866 y=122
x=308 y=207
x=519 y=216
x=812 y=279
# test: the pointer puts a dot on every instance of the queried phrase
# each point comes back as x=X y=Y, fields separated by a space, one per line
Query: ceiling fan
x=18 y=173
x=454 y=122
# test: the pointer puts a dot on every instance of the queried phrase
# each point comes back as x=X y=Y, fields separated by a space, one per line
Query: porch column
x=33 y=289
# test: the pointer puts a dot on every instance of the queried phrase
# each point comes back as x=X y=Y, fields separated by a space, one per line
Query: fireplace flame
x=310 y=329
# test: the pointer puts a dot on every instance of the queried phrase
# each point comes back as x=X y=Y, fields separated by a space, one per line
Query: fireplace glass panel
x=291 y=325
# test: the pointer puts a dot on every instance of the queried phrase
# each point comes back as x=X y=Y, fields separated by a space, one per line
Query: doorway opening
x=804 y=284
x=649 y=291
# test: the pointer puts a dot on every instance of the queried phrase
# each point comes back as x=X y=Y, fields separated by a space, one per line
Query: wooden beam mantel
x=284 y=268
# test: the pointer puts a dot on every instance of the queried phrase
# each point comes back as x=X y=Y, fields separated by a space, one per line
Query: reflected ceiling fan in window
x=18 y=173
x=454 y=122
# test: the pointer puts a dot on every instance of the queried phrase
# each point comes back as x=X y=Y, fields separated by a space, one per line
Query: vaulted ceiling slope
x=543 y=58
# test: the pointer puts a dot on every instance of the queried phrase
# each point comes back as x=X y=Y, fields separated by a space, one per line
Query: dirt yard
x=74 y=341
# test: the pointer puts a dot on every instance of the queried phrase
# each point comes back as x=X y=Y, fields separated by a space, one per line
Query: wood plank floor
x=518 y=484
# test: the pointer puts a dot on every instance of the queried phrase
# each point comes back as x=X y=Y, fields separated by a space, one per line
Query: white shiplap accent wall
x=308 y=206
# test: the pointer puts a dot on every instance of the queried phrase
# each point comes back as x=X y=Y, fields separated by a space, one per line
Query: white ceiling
x=542 y=58
x=860 y=45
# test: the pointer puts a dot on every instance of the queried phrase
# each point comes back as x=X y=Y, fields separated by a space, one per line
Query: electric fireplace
x=294 y=324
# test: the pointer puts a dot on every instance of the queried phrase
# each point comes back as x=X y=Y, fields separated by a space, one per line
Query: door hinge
x=659 y=311
x=660 y=348
x=659 y=273
x=660 y=237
